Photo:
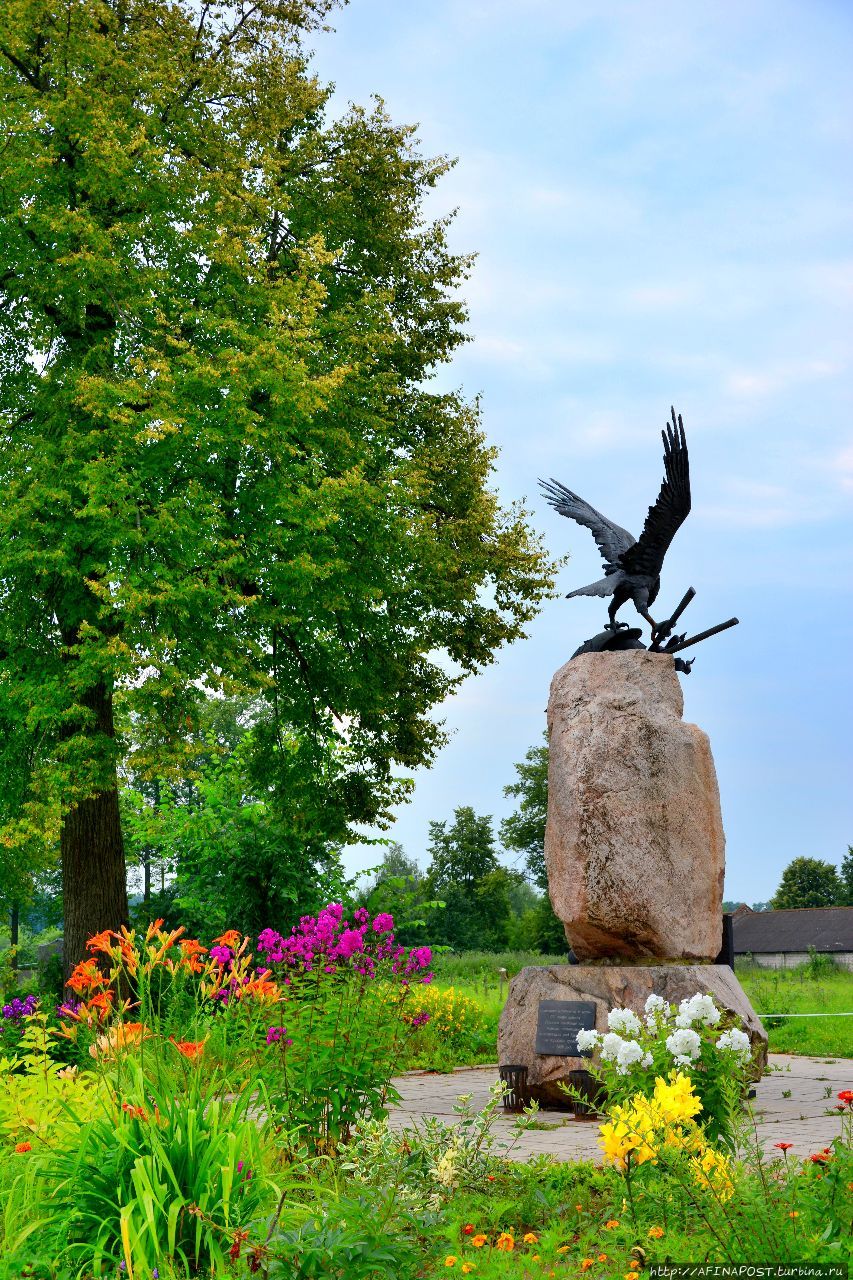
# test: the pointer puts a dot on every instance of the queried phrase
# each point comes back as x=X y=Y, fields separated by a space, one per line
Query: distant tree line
x=810 y=882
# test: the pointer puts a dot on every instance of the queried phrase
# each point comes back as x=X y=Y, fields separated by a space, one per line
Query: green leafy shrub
x=167 y=1174
x=347 y=1239
x=43 y=1101
x=343 y=1020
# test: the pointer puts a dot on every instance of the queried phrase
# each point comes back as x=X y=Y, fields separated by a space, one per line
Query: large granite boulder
x=608 y=987
x=634 y=843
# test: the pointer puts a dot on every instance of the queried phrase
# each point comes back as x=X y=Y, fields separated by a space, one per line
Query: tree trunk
x=94 y=880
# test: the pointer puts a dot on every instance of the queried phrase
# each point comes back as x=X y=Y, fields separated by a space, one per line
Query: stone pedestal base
x=609 y=987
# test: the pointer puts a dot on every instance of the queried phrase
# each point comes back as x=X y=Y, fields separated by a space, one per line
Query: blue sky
x=660 y=197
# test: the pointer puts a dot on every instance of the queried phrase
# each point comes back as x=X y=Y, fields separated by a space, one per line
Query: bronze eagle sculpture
x=632 y=566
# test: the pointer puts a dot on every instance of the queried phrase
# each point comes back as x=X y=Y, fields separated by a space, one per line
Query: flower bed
x=219 y=1110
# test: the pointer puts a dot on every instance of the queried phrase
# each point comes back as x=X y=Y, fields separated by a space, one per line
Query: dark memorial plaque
x=558 y=1026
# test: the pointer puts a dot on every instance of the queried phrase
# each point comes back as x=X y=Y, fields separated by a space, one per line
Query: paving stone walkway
x=790 y=1106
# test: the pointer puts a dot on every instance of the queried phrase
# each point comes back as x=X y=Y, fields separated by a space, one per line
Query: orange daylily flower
x=191 y=949
x=230 y=938
x=85 y=976
x=101 y=941
x=261 y=989
x=134 y=1112
x=189 y=1048
x=154 y=927
x=101 y=1000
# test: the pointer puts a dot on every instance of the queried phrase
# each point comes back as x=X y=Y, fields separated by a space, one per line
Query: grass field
x=812 y=989
x=815 y=988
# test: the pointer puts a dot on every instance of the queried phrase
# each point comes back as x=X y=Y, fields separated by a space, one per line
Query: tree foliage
x=223 y=464
x=524 y=830
x=808 y=882
x=465 y=873
x=845 y=873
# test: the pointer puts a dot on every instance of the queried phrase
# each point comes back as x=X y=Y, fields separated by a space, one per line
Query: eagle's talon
x=617 y=626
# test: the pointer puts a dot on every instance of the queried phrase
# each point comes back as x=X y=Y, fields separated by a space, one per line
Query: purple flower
x=420 y=1020
x=222 y=956
x=19 y=1009
x=274 y=1034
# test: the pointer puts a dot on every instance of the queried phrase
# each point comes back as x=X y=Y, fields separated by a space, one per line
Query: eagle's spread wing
x=671 y=509
x=612 y=540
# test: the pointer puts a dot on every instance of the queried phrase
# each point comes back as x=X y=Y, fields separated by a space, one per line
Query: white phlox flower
x=624 y=1021
x=736 y=1041
x=610 y=1045
x=657 y=1011
x=684 y=1045
x=588 y=1040
x=698 y=1008
x=629 y=1054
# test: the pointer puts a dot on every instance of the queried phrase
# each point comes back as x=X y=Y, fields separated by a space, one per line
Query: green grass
x=816 y=987
x=813 y=988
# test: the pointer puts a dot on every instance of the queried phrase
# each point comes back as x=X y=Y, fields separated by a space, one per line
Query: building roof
x=797 y=929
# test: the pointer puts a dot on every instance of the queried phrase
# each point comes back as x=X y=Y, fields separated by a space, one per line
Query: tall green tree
x=808 y=882
x=524 y=833
x=465 y=872
x=401 y=888
x=223 y=465
x=524 y=830
x=463 y=851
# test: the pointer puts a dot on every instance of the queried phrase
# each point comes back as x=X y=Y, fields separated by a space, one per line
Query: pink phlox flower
x=350 y=941
x=361 y=915
x=222 y=955
x=419 y=958
x=383 y=923
x=271 y=943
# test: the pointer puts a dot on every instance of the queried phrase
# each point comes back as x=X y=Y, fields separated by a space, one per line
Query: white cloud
x=779 y=376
